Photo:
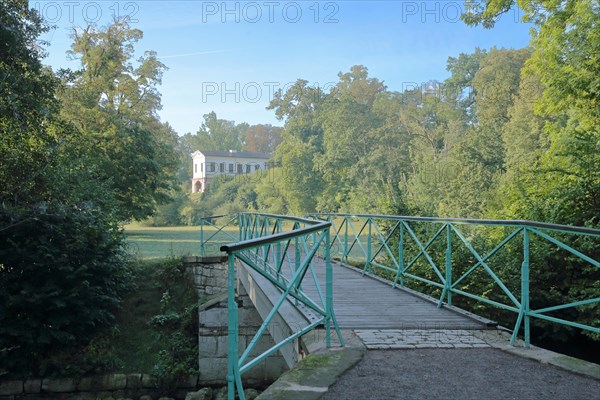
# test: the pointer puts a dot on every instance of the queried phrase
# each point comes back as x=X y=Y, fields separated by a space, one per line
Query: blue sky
x=229 y=57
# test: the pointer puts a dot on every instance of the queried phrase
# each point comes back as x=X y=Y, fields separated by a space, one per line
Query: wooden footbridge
x=369 y=302
x=341 y=271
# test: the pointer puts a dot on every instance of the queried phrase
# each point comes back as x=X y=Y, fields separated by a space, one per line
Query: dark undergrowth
x=157 y=327
x=155 y=331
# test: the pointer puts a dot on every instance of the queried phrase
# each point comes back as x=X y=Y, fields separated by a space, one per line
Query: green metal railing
x=281 y=249
x=395 y=245
x=213 y=236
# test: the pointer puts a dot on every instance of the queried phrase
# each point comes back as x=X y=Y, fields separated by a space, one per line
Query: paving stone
x=33 y=386
x=403 y=346
x=11 y=387
x=419 y=338
x=380 y=346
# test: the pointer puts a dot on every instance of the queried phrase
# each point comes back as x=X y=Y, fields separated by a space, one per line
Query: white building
x=207 y=164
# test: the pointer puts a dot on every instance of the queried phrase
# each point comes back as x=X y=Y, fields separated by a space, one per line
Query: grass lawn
x=149 y=243
x=173 y=241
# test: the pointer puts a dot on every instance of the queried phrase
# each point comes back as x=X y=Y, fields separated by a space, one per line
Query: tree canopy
x=80 y=152
x=114 y=105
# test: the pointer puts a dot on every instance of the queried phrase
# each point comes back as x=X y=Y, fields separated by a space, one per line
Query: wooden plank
x=363 y=302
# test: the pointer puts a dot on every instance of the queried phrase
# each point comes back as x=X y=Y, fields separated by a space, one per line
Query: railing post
x=314 y=240
x=277 y=248
x=400 y=272
x=202 y=248
x=368 y=263
x=346 y=241
x=297 y=253
x=233 y=372
x=448 y=283
x=525 y=285
x=242 y=224
x=247 y=225
x=524 y=307
x=328 y=289
x=266 y=248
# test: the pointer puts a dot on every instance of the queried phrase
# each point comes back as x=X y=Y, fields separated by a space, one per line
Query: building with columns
x=208 y=164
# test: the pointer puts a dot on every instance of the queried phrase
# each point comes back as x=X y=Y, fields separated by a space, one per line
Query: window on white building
x=231 y=167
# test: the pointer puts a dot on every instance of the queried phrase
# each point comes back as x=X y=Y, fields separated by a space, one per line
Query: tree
x=302 y=138
x=525 y=143
x=299 y=181
x=459 y=86
x=269 y=194
x=220 y=134
x=435 y=125
x=478 y=158
x=567 y=63
x=29 y=141
x=357 y=86
x=349 y=138
x=62 y=265
x=566 y=44
x=495 y=83
x=62 y=276
x=114 y=105
x=263 y=138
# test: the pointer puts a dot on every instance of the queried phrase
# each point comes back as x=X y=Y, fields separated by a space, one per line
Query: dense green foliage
x=67 y=163
x=29 y=144
x=475 y=145
x=62 y=275
x=174 y=326
x=554 y=126
x=114 y=107
x=154 y=331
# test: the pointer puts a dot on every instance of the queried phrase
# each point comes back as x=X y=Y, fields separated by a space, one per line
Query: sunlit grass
x=172 y=241
x=148 y=242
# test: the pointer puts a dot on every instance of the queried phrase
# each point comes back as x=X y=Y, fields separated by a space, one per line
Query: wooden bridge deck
x=362 y=302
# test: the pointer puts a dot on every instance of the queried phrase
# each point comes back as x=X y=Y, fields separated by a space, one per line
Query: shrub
x=62 y=274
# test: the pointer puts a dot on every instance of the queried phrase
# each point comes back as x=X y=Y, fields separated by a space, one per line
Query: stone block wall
x=112 y=386
x=210 y=277
x=209 y=274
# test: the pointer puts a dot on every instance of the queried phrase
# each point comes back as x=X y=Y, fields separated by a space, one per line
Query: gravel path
x=458 y=374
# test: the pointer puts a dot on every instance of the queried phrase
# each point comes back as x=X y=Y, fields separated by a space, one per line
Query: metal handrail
x=473 y=221
x=348 y=236
x=261 y=250
x=278 y=237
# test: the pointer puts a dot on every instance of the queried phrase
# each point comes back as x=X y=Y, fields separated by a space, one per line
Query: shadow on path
x=458 y=374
